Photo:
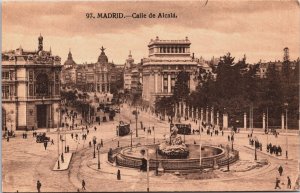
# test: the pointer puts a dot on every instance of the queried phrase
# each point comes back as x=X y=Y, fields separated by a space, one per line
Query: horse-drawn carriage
x=9 y=134
x=41 y=138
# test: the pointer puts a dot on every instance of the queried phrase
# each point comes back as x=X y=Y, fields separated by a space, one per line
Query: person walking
x=277 y=183
x=83 y=185
x=52 y=142
x=280 y=170
x=38 y=186
x=289 y=183
x=119 y=175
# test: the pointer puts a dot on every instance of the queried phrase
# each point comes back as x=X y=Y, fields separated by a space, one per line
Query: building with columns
x=166 y=59
x=30 y=88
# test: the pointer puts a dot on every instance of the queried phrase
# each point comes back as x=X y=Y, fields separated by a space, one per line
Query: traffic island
x=63 y=162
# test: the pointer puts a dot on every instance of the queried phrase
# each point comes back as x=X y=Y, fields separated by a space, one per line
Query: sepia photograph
x=150 y=96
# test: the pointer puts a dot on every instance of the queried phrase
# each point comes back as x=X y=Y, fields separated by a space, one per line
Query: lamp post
x=98 y=148
x=255 y=143
x=200 y=145
x=154 y=135
x=58 y=112
x=131 y=140
x=286 y=126
x=136 y=121
x=94 y=142
x=228 y=149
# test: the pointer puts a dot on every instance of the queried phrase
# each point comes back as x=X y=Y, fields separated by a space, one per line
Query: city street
x=24 y=162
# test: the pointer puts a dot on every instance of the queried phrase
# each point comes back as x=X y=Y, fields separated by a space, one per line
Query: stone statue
x=173 y=146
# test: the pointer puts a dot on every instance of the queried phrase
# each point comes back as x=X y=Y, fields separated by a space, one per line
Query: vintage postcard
x=148 y=96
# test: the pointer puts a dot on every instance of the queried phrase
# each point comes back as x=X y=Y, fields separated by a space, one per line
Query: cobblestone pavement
x=24 y=162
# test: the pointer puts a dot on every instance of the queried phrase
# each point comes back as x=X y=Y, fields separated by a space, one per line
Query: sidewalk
x=282 y=157
x=63 y=165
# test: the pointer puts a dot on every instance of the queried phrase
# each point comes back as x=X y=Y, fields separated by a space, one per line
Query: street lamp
x=131 y=139
x=94 y=142
x=286 y=126
x=136 y=121
x=98 y=148
x=228 y=149
x=154 y=134
x=58 y=112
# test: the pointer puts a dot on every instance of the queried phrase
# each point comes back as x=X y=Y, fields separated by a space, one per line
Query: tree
x=181 y=89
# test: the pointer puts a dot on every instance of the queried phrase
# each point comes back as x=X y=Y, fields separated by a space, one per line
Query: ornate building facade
x=30 y=88
x=166 y=59
x=69 y=71
x=92 y=77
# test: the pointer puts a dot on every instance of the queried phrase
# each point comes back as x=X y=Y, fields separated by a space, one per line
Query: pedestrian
x=62 y=158
x=45 y=145
x=7 y=138
x=52 y=142
x=289 y=183
x=280 y=170
x=95 y=128
x=72 y=135
x=90 y=144
x=83 y=185
x=101 y=143
x=38 y=186
x=228 y=138
x=119 y=175
x=277 y=183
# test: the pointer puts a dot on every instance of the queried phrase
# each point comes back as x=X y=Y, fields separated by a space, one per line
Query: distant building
x=69 y=71
x=166 y=59
x=129 y=64
x=92 y=77
x=30 y=88
x=278 y=65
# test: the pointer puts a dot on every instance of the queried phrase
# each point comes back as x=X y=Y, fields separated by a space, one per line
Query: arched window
x=42 y=85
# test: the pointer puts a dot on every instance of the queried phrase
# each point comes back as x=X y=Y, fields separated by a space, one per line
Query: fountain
x=173 y=147
x=173 y=155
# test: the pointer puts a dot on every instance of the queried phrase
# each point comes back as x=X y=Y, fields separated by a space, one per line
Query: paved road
x=25 y=161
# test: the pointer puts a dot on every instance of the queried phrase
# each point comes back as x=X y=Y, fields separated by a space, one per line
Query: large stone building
x=166 y=59
x=89 y=77
x=30 y=88
x=132 y=76
x=129 y=64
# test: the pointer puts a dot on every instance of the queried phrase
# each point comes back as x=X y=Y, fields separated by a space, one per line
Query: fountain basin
x=211 y=156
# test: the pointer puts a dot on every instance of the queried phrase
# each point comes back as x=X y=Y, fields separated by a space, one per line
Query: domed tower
x=40 y=43
x=102 y=59
x=69 y=62
x=129 y=61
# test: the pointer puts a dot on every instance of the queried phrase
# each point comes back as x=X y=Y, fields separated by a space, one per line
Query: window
x=5 y=91
x=103 y=88
x=173 y=79
x=30 y=76
x=56 y=77
x=102 y=77
x=165 y=83
x=42 y=84
x=30 y=89
x=56 y=91
x=5 y=75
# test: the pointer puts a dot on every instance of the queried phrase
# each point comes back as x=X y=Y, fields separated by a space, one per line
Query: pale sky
x=260 y=29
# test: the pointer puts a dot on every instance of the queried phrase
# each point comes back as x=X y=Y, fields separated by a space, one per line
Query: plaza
x=25 y=161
